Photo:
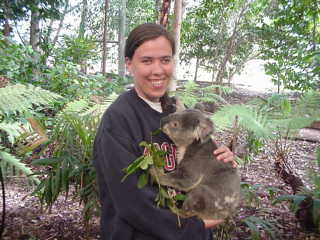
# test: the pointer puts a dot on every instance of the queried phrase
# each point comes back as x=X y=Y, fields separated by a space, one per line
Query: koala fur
x=212 y=186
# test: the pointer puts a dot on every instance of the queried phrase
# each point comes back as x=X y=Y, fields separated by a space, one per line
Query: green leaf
x=142 y=180
x=133 y=167
x=180 y=197
x=46 y=161
x=144 y=164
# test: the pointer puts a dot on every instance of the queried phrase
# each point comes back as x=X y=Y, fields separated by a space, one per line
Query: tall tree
x=220 y=34
x=122 y=13
x=35 y=28
x=83 y=20
x=82 y=31
x=105 y=37
x=178 y=5
x=164 y=13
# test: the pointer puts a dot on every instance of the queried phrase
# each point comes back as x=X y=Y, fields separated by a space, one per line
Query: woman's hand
x=210 y=223
x=223 y=153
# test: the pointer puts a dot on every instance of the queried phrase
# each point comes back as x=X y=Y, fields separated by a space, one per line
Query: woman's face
x=151 y=67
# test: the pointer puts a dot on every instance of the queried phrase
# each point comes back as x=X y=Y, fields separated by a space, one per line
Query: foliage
x=249 y=192
x=166 y=197
x=19 y=99
x=64 y=78
x=289 y=40
x=191 y=93
x=221 y=35
x=310 y=196
x=249 y=119
x=16 y=60
x=10 y=163
x=78 y=49
x=263 y=119
x=255 y=223
x=17 y=102
x=16 y=10
x=72 y=141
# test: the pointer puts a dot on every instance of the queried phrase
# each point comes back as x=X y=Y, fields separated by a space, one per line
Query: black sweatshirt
x=130 y=213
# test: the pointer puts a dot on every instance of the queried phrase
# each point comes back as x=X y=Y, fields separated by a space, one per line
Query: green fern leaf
x=15 y=129
x=12 y=161
x=20 y=98
x=249 y=119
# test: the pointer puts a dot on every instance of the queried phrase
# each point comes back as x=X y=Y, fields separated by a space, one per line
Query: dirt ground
x=26 y=221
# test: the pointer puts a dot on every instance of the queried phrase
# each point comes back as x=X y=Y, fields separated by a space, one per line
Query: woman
x=128 y=212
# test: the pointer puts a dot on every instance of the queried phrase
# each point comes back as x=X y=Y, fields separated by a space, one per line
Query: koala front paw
x=156 y=172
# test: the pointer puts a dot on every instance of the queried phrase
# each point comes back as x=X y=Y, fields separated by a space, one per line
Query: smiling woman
x=130 y=213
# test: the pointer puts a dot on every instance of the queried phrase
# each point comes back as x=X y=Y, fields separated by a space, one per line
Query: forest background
x=62 y=64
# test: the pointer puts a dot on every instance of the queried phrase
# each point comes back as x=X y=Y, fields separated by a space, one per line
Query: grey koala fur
x=212 y=186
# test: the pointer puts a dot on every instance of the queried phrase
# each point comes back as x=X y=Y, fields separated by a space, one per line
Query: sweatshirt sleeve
x=114 y=152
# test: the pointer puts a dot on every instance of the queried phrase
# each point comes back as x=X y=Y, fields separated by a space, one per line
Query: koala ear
x=179 y=105
x=199 y=106
x=204 y=129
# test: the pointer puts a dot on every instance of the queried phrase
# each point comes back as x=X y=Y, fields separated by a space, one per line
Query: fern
x=14 y=129
x=275 y=114
x=249 y=119
x=255 y=224
x=73 y=136
x=192 y=93
x=8 y=161
x=20 y=98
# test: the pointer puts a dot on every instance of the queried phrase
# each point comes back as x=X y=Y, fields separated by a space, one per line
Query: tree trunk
x=164 y=13
x=176 y=34
x=122 y=30
x=35 y=41
x=35 y=29
x=196 y=72
x=7 y=29
x=105 y=34
x=157 y=11
x=212 y=76
x=82 y=30
x=230 y=46
x=65 y=11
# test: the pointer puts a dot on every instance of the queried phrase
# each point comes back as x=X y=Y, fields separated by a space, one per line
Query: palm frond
x=20 y=98
x=8 y=161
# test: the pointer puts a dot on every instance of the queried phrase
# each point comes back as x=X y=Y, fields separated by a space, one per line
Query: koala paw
x=156 y=172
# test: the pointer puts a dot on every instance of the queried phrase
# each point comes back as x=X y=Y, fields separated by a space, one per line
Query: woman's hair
x=145 y=32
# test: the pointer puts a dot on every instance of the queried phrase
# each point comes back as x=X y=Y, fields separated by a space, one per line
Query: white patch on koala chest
x=229 y=199
x=180 y=153
x=217 y=205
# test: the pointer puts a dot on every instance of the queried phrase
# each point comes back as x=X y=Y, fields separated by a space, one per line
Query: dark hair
x=145 y=32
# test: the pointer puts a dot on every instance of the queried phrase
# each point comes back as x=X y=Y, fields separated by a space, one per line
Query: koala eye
x=174 y=124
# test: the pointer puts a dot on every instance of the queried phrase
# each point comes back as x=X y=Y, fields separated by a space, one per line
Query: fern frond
x=308 y=105
x=20 y=98
x=15 y=129
x=249 y=119
x=8 y=160
x=85 y=107
x=193 y=93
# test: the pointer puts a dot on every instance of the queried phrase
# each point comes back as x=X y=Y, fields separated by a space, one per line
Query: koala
x=212 y=187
